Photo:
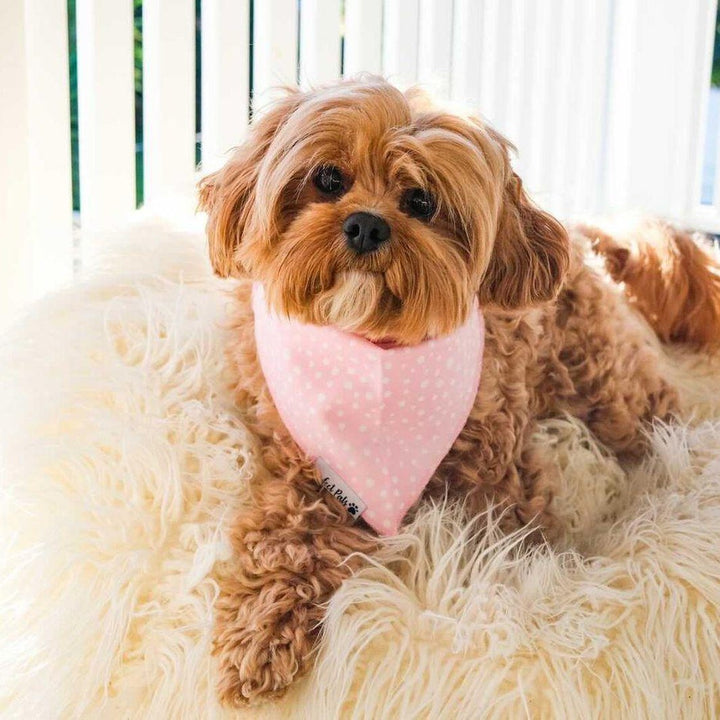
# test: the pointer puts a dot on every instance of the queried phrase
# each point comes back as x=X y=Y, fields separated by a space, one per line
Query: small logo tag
x=338 y=488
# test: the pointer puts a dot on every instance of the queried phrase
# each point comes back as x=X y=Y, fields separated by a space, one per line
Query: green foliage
x=74 y=145
x=198 y=73
x=137 y=60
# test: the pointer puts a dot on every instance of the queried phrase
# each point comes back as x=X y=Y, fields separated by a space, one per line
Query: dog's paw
x=258 y=667
x=263 y=641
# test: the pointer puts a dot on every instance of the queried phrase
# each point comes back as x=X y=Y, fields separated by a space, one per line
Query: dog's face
x=365 y=208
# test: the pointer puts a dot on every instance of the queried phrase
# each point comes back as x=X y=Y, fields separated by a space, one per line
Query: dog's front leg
x=291 y=551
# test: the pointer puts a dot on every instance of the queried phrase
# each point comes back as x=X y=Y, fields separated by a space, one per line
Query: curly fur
x=561 y=336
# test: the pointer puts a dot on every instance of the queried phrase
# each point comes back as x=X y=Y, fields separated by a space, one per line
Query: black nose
x=365 y=232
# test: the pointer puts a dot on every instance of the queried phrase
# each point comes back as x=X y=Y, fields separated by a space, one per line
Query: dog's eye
x=329 y=179
x=419 y=203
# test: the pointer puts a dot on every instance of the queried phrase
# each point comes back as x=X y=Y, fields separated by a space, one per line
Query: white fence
x=605 y=99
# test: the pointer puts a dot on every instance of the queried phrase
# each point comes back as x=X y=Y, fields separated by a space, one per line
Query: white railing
x=35 y=194
x=605 y=99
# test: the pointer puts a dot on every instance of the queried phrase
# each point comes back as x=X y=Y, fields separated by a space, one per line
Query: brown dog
x=560 y=334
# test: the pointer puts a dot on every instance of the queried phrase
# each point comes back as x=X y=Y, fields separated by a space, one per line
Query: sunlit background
x=113 y=105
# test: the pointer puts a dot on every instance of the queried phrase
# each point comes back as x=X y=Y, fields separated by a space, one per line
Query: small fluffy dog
x=453 y=227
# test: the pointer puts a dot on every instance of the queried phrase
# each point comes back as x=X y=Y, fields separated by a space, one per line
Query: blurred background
x=113 y=105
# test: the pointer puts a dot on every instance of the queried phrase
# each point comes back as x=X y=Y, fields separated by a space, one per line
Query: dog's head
x=366 y=208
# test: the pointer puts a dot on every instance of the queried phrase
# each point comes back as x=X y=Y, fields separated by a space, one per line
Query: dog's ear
x=228 y=195
x=531 y=253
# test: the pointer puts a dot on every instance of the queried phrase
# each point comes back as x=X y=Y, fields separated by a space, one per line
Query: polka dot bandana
x=376 y=420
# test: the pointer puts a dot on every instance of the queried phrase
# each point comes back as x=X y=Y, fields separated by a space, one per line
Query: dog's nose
x=365 y=232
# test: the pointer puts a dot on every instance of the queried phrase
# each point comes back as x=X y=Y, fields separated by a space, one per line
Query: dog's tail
x=671 y=276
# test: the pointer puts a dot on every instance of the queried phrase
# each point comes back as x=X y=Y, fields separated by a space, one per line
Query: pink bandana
x=376 y=421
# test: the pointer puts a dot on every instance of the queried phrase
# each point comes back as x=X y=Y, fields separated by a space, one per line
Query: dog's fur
x=561 y=333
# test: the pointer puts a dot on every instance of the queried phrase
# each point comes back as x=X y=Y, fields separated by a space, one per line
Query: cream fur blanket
x=122 y=462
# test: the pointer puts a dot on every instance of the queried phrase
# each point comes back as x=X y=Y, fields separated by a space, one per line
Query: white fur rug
x=122 y=462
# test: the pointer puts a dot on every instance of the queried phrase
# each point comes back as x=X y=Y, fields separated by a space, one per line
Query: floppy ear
x=228 y=195
x=531 y=252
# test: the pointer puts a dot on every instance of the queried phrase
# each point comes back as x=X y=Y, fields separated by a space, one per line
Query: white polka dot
x=411 y=426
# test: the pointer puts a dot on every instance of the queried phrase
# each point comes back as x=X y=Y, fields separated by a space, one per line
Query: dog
x=571 y=317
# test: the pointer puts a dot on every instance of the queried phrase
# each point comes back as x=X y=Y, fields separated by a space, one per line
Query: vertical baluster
x=320 y=53
x=467 y=54
x=363 y=36
x=275 y=47
x=591 y=80
x=169 y=102
x=225 y=77
x=36 y=251
x=15 y=254
x=400 y=46
x=50 y=172
x=106 y=113
x=435 y=46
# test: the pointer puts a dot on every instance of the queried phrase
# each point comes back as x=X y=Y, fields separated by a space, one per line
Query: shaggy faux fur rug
x=123 y=460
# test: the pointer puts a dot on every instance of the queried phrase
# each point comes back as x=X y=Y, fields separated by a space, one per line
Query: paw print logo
x=352 y=508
